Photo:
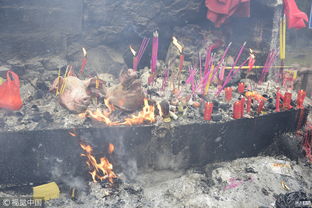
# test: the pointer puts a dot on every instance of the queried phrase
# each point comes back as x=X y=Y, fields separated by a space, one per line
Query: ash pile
x=247 y=182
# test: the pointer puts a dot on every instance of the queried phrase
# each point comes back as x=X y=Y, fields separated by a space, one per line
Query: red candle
x=260 y=106
x=287 y=100
x=277 y=104
x=135 y=63
x=243 y=106
x=208 y=111
x=83 y=65
x=181 y=62
x=241 y=87
x=228 y=94
x=249 y=99
x=300 y=98
x=237 y=110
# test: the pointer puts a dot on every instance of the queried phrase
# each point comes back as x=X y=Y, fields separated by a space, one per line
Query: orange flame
x=147 y=114
x=255 y=95
x=99 y=171
x=72 y=134
x=111 y=148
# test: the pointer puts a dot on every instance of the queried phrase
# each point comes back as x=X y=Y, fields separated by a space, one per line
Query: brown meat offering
x=74 y=96
x=128 y=94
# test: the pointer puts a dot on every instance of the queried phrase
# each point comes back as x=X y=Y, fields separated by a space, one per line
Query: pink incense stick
x=230 y=73
x=239 y=68
x=139 y=55
x=200 y=65
x=154 y=52
x=191 y=78
x=269 y=62
x=221 y=73
x=165 y=79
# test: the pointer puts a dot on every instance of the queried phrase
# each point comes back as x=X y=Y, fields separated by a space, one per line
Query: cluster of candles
x=239 y=106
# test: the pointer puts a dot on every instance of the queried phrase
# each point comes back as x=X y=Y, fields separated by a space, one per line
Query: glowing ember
x=111 y=148
x=102 y=170
x=255 y=95
x=72 y=134
x=147 y=114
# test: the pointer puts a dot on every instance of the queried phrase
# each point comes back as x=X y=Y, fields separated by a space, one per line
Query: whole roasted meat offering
x=128 y=94
x=75 y=94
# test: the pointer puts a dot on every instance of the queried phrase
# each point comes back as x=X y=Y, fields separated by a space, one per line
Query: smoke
x=63 y=175
x=127 y=164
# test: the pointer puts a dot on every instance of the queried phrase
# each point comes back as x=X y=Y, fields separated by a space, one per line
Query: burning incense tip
x=84 y=51
x=177 y=44
x=155 y=34
x=132 y=50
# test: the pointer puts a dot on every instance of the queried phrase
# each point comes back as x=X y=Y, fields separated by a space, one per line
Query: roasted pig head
x=128 y=94
x=76 y=93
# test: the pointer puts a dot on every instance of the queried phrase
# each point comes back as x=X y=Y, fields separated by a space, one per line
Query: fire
x=72 y=133
x=102 y=170
x=255 y=95
x=146 y=114
x=111 y=148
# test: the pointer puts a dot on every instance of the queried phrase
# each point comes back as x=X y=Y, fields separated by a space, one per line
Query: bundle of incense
x=180 y=68
x=213 y=46
x=200 y=65
x=221 y=60
x=165 y=79
x=206 y=76
x=238 y=69
x=154 y=56
x=191 y=78
x=137 y=56
x=212 y=69
x=84 y=61
x=269 y=62
x=231 y=71
x=216 y=69
x=64 y=80
x=180 y=49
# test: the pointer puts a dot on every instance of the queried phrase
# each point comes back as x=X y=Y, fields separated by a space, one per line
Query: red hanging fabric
x=10 y=92
x=295 y=17
x=220 y=10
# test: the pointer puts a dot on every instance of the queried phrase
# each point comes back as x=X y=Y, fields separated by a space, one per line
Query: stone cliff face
x=56 y=27
x=45 y=28
x=39 y=27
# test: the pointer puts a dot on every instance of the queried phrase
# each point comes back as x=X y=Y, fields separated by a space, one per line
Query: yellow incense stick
x=281 y=37
x=259 y=67
x=64 y=81
x=209 y=80
x=284 y=37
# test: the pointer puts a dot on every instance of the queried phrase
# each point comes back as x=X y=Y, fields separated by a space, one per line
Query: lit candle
x=237 y=110
x=208 y=111
x=300 y=98
x=249 y=99
x=228 y=94
x=287 y=100
x=260 y=106
x=241 y=87
x=242 y=107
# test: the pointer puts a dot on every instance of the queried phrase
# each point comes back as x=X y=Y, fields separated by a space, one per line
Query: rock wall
x=60 y=28
x=37 y=27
